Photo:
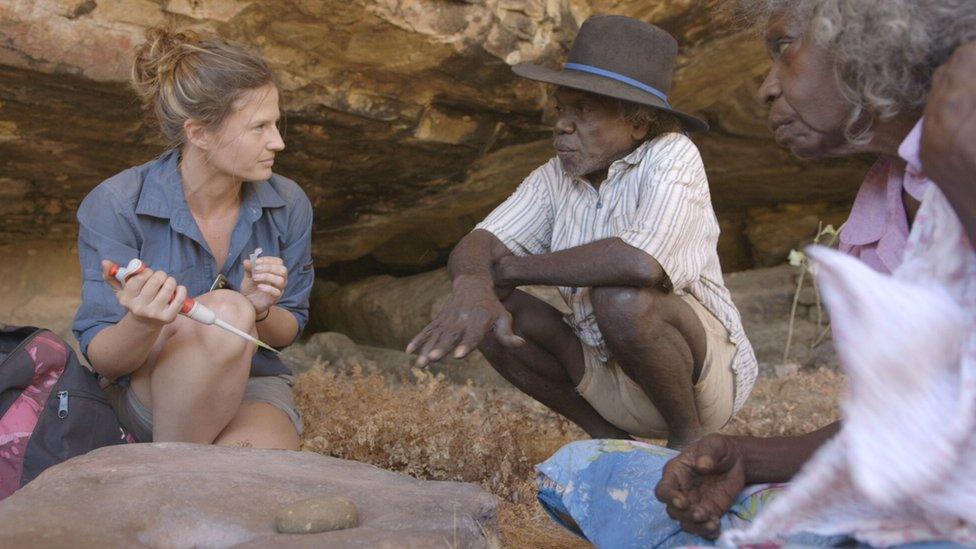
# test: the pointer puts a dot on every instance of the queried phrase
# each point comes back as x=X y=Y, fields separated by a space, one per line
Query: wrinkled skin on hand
x=700 y=485
x=949 y=134
x=472 y=311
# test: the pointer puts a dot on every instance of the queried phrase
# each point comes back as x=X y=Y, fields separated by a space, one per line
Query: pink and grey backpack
x=51 y=407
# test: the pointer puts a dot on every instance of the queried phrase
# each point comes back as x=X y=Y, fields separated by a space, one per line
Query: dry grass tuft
x=431 y=429
x=792 y=405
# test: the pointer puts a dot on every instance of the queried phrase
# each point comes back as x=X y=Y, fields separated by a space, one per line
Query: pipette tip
x=246 y=336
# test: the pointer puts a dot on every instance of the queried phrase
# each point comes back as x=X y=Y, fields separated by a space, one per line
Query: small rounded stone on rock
x=317 y=515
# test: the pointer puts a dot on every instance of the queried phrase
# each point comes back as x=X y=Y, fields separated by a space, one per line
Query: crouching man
x=621 y=221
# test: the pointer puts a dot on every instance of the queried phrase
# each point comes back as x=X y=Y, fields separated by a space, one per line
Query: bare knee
x=221 y=345
x=626 y=303
x=625 y=313
x=230 y=306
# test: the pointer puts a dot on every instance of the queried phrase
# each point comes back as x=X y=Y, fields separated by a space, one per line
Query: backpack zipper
x=62 y=404
x=63 y=400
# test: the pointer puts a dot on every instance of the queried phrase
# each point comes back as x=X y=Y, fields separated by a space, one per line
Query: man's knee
x=624 y=303
x=626 y=315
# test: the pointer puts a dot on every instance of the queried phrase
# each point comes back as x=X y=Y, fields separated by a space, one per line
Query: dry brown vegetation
x=792 y=405
x=431 y=429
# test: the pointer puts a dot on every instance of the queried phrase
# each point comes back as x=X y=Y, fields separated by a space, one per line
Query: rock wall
x=388 y=312
x=40 y=285
x=404 y=122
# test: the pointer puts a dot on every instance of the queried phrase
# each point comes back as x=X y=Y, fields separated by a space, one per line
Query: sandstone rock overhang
x=404 y=123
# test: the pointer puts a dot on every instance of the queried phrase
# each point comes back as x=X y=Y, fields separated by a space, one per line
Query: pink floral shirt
x=903 y=467
x=877 y=230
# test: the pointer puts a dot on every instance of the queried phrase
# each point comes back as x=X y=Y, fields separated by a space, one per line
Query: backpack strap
x=16 y=366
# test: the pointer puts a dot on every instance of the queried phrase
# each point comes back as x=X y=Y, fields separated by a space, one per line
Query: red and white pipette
x=191 y=307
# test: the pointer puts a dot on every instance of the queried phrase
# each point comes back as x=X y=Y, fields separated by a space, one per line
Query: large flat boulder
x=188 y=495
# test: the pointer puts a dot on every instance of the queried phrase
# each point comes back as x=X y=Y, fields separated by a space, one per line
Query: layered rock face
x=404 y=123
x=388 y=312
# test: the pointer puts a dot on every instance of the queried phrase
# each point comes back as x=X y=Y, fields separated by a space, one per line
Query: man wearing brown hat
x=621 y=221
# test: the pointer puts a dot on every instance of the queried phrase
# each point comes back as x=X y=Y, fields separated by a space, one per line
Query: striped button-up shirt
x=655 y=199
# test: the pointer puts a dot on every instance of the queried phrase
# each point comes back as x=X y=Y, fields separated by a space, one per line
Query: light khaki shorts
x=274 y=390
x=624 y=404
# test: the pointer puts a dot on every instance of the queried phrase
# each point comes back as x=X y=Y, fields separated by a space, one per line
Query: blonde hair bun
x=180 y=75
x=157 y=58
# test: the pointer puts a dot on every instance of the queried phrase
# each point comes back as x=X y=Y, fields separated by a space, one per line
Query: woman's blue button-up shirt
x=142 y=213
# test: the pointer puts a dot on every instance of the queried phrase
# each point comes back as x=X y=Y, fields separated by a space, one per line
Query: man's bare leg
x=658 y=341
x=550 y=364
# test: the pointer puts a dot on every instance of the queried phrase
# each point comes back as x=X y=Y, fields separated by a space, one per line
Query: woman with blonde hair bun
x=195 y=214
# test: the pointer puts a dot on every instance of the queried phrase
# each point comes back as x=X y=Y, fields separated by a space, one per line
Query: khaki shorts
x=624 y=404
x=274 y=390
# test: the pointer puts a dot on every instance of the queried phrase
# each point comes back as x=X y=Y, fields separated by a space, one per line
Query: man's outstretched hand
x=700 y=485
x=472 y=311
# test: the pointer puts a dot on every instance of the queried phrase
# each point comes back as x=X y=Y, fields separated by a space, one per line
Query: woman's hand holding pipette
x=152 y=297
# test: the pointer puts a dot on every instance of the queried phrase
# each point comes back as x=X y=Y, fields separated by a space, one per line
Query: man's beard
x=575 y=164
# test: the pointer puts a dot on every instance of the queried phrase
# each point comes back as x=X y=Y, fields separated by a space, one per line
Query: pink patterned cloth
x=903 y=467
x=877 y=229
x=18 y=422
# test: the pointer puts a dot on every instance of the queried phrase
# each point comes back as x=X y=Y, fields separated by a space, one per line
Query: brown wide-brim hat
x=619 y=57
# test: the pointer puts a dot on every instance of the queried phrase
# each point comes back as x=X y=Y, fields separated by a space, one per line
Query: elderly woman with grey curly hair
x=847 y=77
x=852 y=77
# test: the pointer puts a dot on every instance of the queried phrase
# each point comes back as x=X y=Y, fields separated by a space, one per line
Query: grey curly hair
x=659 y=122
x=884 y=51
